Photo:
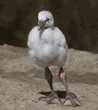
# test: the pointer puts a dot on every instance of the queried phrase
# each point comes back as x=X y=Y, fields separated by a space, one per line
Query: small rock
x=20 y=84
x=48 y=89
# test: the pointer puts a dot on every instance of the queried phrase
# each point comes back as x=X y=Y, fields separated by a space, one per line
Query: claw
x=51 y=99
x=72 y=100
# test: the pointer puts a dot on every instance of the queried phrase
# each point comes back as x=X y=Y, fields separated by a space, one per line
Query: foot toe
x=68 y=102
x=54 y=101
x=51 y=99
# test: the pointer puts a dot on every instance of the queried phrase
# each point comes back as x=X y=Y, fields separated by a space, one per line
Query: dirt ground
x=22 y=82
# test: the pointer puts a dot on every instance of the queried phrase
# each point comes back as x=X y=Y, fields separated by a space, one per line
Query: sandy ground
x=22 y=81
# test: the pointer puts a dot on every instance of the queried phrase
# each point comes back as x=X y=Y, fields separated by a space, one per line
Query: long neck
x=43 y=29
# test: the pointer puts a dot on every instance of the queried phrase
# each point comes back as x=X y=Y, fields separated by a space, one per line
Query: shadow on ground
x=61 y=94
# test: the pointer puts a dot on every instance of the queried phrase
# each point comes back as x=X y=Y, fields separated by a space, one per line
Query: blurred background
x=78 y=20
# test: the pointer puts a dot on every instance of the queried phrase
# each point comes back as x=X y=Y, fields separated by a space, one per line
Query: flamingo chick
x=47 y=46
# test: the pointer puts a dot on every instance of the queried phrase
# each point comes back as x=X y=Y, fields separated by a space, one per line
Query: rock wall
x=78 y=20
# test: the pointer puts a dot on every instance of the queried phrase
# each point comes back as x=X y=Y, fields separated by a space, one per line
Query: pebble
x=48 y=89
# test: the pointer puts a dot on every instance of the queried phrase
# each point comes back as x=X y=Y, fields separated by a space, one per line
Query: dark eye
x=47 y=19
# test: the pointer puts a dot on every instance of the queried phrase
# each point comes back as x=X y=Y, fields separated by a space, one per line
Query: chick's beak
x=41 y=25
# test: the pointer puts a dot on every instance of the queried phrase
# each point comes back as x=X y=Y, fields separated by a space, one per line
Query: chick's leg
x=70 y=99
x=53 y=97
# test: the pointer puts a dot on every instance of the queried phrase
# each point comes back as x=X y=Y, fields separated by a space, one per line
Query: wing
x=60 y=38
x=31 y=37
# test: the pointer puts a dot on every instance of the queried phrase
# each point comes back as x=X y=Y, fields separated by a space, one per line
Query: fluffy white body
x=48 y=46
